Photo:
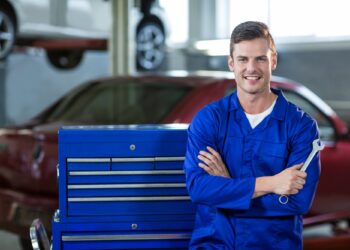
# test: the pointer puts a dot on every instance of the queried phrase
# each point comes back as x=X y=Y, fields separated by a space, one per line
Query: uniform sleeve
x=220 y=192
x=301 y=146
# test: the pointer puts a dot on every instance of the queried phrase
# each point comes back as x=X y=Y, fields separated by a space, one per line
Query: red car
x=28 y=152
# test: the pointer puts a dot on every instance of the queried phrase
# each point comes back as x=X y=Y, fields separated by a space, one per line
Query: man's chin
x=254 y=91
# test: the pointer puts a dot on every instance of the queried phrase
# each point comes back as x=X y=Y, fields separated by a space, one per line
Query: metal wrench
x=316 y=146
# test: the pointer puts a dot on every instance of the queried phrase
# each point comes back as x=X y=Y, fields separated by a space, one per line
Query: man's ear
x=274 y=61
x=230 y=63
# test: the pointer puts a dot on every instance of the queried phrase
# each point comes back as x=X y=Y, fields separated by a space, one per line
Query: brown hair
x=251 y=30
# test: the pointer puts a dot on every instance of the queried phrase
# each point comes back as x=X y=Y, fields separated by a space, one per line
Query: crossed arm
x=289 y=181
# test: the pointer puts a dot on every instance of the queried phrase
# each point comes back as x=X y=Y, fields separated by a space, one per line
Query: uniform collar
x=278 y=112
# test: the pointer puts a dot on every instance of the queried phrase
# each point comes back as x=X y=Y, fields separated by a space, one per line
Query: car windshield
x=119 y=102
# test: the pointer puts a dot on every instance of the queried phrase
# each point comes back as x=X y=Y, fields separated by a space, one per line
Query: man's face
x=252 y=62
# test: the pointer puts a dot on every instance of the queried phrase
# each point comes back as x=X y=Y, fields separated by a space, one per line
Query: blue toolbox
x=122 y=187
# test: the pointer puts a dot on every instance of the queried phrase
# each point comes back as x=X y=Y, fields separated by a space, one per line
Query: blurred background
x=49 y=47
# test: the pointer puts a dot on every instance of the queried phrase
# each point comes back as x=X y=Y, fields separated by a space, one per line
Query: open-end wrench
x=316 y=146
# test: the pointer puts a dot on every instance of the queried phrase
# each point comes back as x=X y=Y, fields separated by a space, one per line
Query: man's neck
x=256 y=103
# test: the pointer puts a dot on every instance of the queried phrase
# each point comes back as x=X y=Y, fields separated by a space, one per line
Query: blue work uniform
x=227 y=216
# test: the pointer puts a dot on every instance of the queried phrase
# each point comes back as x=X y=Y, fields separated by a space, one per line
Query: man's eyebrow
x=262 y=56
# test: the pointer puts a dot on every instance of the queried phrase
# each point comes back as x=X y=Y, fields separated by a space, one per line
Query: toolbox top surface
x=172 y=132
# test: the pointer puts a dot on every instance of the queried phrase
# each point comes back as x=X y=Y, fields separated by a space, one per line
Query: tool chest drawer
x=135 y=235
x=118 y=173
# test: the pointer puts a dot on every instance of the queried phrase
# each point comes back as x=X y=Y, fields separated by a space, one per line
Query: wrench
x=316 y=146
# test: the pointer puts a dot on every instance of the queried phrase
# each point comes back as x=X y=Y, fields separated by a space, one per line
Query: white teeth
x=252 y=77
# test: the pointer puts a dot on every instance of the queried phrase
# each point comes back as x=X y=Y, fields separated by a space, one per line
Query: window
x=309 y=20
x=112 y=102
x=248 y=10
x=177 y=17
x=146 y=103
x=93 y=105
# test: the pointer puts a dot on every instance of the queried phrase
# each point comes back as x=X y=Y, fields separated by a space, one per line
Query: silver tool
x=316 y=146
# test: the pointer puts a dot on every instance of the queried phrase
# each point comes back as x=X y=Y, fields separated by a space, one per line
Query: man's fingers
x=301 y=174
x=301 y=181
x=205 y=160
x=212 y=163
x=297 y=186
x=298 y=166
x=296 y=170
x=294 y=191
x=214 y=152
x=209 y=163
x=205 y=168
x=210 y=160
x=208 y=155
x=212 y=156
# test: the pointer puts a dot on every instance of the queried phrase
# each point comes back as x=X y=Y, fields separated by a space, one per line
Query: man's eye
x=262 y=59
x=242 y=59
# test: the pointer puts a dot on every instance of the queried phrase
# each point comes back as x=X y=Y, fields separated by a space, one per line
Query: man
x=245 y=151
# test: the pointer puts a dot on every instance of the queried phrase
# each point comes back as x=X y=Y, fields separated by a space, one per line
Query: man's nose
x=251 y=66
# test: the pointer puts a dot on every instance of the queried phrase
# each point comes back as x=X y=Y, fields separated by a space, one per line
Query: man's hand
x=212 y=163
x=289 y=181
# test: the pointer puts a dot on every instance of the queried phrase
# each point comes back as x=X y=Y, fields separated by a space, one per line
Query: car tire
x=65 y=59
x=150 y=44
x=7 y=33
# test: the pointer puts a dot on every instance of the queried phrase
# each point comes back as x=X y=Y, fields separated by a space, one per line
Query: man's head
x=251 y=30
x=252 y=57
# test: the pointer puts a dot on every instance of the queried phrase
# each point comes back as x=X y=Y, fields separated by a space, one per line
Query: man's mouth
x=252 y=77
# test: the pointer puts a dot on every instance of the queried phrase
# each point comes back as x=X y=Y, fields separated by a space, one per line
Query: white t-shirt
x=255 y=119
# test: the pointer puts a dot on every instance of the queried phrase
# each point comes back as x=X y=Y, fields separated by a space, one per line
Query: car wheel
x=7 y=33
x=150 y=45
x=65 y=59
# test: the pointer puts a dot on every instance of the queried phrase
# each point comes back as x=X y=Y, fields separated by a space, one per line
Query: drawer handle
x=137 y=172
x=127 y=159
x=129 y=198
x=126 y=237
x=83 y=160
x=117 y=186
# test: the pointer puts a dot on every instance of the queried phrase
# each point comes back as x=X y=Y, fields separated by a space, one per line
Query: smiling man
x=245 y=151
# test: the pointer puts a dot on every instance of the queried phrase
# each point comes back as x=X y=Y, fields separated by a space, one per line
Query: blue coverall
x=227 y=216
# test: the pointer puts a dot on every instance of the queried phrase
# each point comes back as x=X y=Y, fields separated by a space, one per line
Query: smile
x=252 y=77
